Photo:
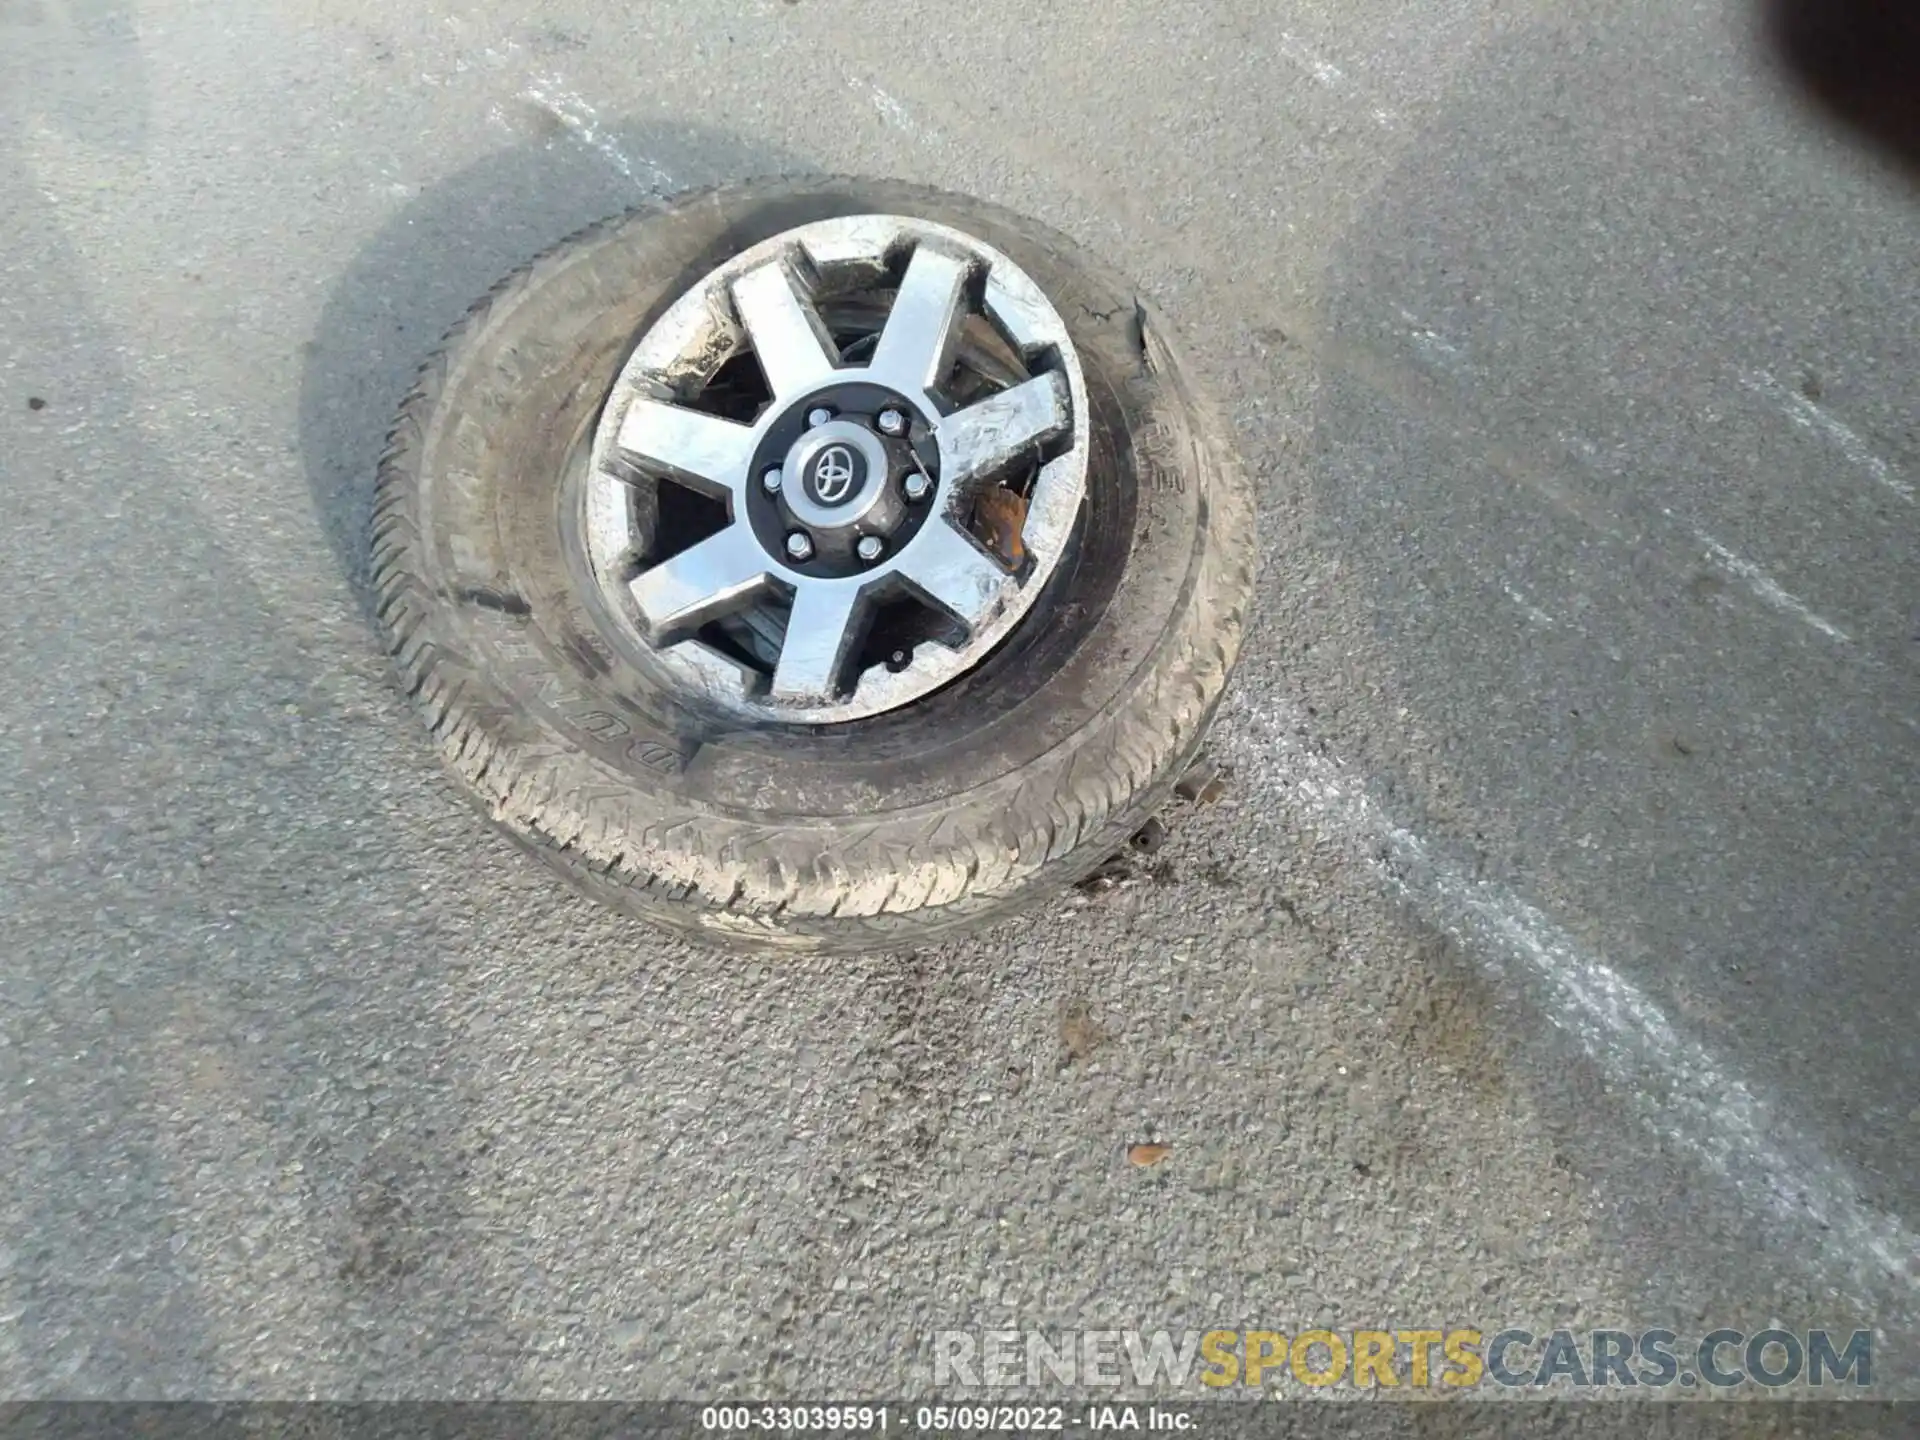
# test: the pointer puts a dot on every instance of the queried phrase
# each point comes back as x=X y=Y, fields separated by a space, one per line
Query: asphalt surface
x=1549 y=961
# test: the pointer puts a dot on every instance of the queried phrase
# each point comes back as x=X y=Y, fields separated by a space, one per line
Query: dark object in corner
x=1860 y=60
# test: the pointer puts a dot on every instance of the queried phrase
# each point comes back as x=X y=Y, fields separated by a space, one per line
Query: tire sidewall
x=571 y=744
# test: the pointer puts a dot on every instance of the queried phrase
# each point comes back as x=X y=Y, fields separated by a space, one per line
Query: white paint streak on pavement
x=1677 y=1087
x=1810 y=417
x=1533 y=612
x=584 y=122
x=1769 y=590
x=896 y=114
x=1316 y=65
x=1326 y=73
x=1432 y=345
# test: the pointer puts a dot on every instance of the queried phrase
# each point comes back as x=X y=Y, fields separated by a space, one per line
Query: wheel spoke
x=710 y=453
x=712 y=578
x=989 y=434
x=916 y=347
x=820 y=638
x=794 y=349
x=967 y=508
x=955 y=574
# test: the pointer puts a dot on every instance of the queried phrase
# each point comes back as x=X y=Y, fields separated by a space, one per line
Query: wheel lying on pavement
x=826 y=565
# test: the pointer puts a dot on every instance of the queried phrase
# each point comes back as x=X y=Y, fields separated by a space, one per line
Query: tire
x=1014 y=781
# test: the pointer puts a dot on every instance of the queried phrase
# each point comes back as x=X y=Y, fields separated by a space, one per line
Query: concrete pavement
x=1547 y=963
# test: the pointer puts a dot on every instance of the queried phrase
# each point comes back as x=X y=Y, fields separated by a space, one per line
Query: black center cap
x=836 y=475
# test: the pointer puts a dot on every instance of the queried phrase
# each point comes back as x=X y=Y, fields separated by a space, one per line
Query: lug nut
x=892 y=422
x=917 y=486
x=771 y=481
x=800 y=545
x=869 y=548
x=819 y=415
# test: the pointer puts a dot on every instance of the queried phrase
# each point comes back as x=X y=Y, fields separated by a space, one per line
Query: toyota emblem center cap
x=836 y=475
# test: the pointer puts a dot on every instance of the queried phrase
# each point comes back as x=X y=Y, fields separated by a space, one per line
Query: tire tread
x=768 y=887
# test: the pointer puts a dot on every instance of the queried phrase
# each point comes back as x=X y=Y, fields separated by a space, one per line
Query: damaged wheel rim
x=837 y=471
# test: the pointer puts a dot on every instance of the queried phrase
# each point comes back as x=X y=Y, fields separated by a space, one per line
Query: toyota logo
x=835 y=474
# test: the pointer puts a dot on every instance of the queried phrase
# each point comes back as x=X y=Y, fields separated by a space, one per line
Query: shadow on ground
x=1558 y=350
x=441 y=253
x=232 y=980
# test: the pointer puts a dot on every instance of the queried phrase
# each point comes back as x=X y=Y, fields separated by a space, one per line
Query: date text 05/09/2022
x=939 y=1419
